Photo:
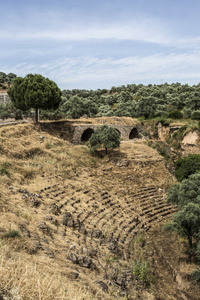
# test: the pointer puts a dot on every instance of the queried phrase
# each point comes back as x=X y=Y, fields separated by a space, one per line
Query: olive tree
x=186 y=222
x=104 y=137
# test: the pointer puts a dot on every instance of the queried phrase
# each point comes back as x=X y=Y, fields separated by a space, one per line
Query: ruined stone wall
x=4 y=98
x=62 y=129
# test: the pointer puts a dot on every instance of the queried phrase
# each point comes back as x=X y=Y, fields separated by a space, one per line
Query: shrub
x=147 y=133
x=195 y=115
x=4 y=169
x=175 y=114
x=163 y=121
x=155 y=133
x=12 y=233
x=140 y=270
x=186 y=166
x=195 y=275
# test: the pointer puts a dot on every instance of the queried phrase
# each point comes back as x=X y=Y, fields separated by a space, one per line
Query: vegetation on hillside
x=186 y=166
x=6 y=80
x=186 y=222
x=167 y=100
x=175 y=101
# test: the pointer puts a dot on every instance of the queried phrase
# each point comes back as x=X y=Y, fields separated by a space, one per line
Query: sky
x=93 y=44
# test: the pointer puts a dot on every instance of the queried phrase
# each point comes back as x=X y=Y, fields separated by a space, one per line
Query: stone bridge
x=78 y=131
x=82 y=133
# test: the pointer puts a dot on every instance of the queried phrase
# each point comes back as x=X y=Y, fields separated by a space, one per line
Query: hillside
x=75 y=226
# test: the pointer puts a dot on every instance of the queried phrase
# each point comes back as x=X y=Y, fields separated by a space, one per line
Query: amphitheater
x=88 y=218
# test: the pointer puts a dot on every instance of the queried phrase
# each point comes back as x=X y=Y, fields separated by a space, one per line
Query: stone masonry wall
x=4 y=98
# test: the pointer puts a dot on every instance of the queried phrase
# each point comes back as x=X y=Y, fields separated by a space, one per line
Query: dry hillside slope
x=74 y=226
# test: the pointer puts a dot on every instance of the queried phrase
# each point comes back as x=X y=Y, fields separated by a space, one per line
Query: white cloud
x=48 y=35
x=92 y=72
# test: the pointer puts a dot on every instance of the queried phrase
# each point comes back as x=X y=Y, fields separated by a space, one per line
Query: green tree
x=195 y=115
x=2 y=77
x=186 y=223
x=186 y=166
x=146 y=106
x=75 y=107
x=175 y=114
x=10 y=77
x=187 y=191
x=34 y=91
x=127 y=109
x=104 y=137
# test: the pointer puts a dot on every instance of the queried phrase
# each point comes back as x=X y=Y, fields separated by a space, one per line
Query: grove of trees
x=6 y=79
x=174 y=100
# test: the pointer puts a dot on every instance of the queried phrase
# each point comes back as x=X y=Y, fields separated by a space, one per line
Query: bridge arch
x=87 y=134
x=134 y=134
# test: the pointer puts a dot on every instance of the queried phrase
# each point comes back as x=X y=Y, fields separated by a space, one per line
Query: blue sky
x=88 y=44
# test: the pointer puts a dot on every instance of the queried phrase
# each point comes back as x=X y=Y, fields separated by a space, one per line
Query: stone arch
x=87 y=134
x=134 y=134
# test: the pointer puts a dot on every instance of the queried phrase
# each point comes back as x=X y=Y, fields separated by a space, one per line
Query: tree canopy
x=34 y=91
x=104 y=137
x=186 y=166
x=6 y=79
x=149 y=101
x=169 y=100
x=75 y=107
x=187 y=191
x=186 y=222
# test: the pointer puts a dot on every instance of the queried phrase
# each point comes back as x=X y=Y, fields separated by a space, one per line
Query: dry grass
x=25 y=279
x=67 y=176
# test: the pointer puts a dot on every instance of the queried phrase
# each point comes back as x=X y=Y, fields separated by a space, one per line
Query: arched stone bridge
x=82 y=133
x=79 y=131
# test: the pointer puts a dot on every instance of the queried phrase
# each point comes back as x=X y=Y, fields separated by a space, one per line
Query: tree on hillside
x=2 y=77
x=186 y=166
x=147 y=107
x=75 y=107
x=10 y=77
x=187 y=191
x=34 y=91
x=104 y=137
x=186 y=222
